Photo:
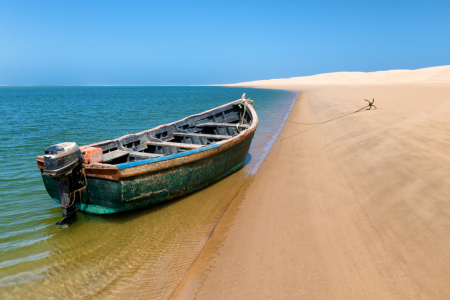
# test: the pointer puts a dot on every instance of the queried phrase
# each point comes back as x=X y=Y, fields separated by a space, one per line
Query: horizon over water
x=140 y=254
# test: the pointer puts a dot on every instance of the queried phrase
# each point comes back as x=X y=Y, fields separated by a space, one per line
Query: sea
x=141 y=254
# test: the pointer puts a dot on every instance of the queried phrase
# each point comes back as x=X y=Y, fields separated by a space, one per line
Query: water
x=138 y=254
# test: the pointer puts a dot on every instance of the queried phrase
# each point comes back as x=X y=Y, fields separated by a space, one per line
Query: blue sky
x=208 y=42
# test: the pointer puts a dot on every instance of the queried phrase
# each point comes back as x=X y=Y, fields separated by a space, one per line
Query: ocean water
x=138 y=254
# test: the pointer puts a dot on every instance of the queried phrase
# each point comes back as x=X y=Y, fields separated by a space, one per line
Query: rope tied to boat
x=77 y=191
x=249 y=101
x=243 y=104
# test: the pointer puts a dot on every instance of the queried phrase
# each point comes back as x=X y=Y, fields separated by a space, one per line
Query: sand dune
x=357 y=208
x=426 y=75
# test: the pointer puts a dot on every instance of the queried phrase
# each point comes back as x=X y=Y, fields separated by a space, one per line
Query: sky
x=214 y=42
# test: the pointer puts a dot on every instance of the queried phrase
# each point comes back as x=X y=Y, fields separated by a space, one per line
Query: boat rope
x=369 y=106
x=244 y=104
x=77 y=191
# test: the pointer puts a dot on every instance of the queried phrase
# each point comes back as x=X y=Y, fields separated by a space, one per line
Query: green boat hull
x=104 y=196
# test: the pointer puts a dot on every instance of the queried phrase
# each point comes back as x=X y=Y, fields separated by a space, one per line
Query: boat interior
x=193 y=132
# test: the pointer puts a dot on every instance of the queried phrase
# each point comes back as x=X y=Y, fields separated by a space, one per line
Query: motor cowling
x=64 y=162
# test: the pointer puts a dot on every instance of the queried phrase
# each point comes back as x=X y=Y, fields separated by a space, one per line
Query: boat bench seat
x=176 y=145
x=145 y=155
x=212 y=124
x=199 y=135
x=110 y=156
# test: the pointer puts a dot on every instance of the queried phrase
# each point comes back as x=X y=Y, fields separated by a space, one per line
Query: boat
x=149 y=167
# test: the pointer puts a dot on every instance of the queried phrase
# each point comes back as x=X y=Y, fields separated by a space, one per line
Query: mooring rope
x=244 y=103
x=370 y=105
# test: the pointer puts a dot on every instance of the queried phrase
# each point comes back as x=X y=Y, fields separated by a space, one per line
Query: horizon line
x=108 y=85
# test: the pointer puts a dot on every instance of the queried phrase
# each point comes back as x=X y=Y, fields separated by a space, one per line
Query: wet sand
x=357 y=208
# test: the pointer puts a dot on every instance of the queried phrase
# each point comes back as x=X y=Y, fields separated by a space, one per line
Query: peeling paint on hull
x=105 y=196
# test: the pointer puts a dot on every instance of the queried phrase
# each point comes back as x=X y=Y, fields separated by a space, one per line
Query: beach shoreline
x=355 y=208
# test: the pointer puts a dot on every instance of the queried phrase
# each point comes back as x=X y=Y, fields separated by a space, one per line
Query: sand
x=358 y=208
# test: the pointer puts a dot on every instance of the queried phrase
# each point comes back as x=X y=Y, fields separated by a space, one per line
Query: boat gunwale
x=131 y=164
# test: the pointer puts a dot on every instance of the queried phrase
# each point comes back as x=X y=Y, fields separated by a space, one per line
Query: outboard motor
x=64 y=162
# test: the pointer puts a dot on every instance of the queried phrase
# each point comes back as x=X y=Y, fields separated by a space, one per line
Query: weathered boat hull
x=158 y=164
x=105 y=196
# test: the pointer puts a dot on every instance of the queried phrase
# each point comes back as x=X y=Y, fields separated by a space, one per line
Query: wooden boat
x=146 y=168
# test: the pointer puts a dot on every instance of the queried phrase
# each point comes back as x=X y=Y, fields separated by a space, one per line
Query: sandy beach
x=357 y=208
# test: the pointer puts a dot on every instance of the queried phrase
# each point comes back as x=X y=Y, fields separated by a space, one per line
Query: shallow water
x=138 y=254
